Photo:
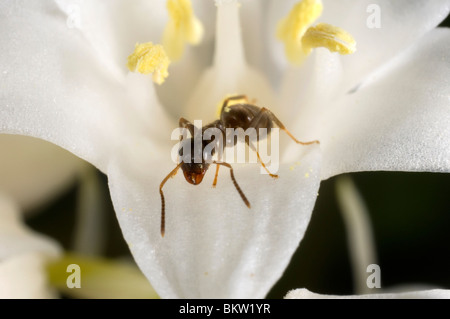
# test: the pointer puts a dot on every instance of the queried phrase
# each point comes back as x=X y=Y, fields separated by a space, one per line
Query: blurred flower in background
x=33 y=173
x=366 y=272
x=92 y=104
x=24 y=255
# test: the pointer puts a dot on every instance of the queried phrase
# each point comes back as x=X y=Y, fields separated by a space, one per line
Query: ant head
x=195 y=160
x=193 y=172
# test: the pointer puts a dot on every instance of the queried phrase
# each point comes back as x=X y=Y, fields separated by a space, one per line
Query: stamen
x=333 y=38
x=300 y=37
x=182 y=27
x=291 y=29
x=150 y=58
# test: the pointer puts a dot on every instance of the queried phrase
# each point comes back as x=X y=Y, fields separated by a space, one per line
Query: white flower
x=64 y=79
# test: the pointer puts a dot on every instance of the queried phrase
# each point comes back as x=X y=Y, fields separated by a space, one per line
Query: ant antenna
x=163 y=203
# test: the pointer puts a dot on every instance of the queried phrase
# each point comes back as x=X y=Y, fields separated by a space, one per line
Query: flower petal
x=48 y=82
x=54 y=87
x=421 y=294
x=214 y=246
x=306 y=93
x=400 y=120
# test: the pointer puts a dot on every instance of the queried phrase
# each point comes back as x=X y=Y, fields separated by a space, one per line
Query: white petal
x=33 y=171
x=422 y=294
x=183 y=77
x=55 y=88
x=306 y=93
x=214 y=246
x=48 y=80
x=400 y=121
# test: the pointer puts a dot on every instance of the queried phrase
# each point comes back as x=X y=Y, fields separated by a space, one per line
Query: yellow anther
x=327 y=36
x=300 y=37
x=150 y=58
x=182 y=27
x=293 y=27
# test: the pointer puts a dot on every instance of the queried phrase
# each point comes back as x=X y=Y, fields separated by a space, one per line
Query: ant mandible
x=239 y=115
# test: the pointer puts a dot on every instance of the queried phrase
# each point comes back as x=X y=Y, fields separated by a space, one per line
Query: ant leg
x=241 y=193
x=215 y=177
x=273 y=118
x=163 y=204
x=183 y=123
x=259 y=159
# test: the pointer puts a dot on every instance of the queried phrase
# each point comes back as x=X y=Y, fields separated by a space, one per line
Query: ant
x=236 y=115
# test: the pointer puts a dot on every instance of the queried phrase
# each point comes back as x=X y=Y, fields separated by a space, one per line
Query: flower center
x=229 y=74
x=182 y=27
x=300 y=37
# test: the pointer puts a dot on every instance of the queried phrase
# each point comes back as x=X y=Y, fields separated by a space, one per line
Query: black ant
x=237 y=115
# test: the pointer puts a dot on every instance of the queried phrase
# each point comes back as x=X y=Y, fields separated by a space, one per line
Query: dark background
x=410 y=213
